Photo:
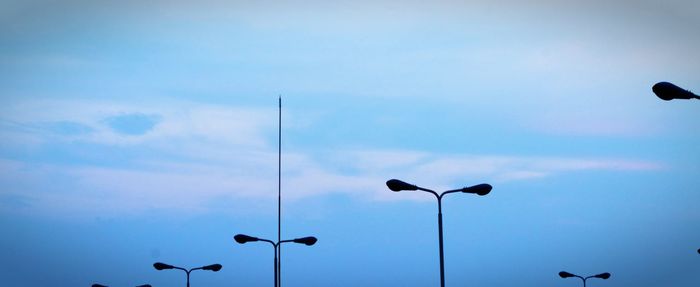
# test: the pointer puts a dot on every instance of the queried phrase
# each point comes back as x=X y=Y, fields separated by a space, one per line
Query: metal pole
x=188 y=277
x=279 y=193
x=275 y=266
x=442 y=254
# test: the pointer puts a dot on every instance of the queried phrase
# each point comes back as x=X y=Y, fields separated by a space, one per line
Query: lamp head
x=565 y=274
x=144 y=285
x=605 y=275
x=309 y=240
x=397 y=185
x=480 y=189
x=213 y=267
x=242 y=238
x=98 y=285
x=161 y=266
x=667 y=91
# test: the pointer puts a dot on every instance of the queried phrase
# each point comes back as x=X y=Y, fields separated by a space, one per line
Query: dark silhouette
x=162 y=266
x=308 y=241
x=667 y=91
x=698 y=250
x=479 y=189
x=278 y=247
x=565 y=274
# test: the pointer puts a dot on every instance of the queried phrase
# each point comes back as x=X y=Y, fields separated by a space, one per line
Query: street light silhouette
x=162 y=266
x=565 y=274
x=243 y=239
x=479 y=189
x=667 y=91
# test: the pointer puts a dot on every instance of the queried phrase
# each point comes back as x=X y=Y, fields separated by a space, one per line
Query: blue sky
x=136 y=132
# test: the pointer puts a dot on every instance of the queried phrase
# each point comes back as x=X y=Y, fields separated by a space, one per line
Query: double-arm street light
x=162 y=266
x=479 y=189
x=667 y=91
x=565 y=274
x=308 y=241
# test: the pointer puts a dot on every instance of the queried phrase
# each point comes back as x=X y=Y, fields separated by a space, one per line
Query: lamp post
x=161 y=266
x=308 y=241
x=479 y=189
x=667 y=91
x=565 y=274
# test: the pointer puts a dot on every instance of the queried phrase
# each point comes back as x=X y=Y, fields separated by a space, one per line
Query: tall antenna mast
x=279 y=190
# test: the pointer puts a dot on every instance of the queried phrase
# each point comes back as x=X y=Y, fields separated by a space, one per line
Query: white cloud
x=220 y=154
x=179 y=120
x=445 y=171
x=187 y=187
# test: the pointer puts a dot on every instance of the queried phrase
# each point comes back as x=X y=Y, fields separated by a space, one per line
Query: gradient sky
x=140 y=131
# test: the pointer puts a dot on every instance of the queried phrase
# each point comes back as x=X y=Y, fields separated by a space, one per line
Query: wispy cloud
x=447 y=170
x=190 y=187
x=114 y=123
x=212 y=153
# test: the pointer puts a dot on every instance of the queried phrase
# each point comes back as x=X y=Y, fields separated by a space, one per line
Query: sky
x=134 y=132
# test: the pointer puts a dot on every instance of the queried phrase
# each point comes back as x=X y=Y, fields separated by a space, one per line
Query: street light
x=162 y=266
x=243 y=239
x=479 y=189
x=565 y=274
x=667 y=91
